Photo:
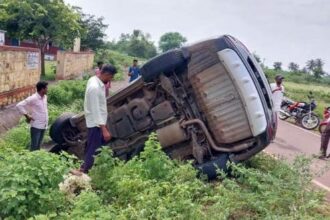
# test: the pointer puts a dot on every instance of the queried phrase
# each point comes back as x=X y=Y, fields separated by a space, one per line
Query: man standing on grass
x=134 y=71
x=277 y=91
x=34 y=108
x=96 y=114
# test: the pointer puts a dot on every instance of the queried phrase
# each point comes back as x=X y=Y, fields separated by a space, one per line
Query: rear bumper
x=254 y=85
x=247 y=89
x=262 y=141
x=261 y=84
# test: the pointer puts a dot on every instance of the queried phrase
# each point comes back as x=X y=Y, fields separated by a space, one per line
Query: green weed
x=29 y=183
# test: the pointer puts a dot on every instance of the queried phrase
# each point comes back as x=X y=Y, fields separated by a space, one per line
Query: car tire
x=57 y=149
x=164 y=63
x=55 y=131
x=210 y=168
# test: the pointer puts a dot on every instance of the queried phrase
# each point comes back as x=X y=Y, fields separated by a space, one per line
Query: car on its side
x=209 y=102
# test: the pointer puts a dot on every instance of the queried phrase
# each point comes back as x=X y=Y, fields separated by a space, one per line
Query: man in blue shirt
x=134 y=71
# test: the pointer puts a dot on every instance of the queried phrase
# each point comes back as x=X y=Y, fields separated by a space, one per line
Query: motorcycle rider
x=278 y=92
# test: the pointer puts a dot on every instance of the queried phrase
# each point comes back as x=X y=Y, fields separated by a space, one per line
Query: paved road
x=292 y=141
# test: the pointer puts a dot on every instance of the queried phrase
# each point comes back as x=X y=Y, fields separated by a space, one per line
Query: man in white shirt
x=96 y=114
x=277 y=91
x=34 y=108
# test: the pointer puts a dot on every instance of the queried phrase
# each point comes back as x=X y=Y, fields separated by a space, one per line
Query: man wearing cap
x=277 y=91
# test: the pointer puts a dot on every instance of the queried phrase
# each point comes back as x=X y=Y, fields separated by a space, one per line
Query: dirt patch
x=117 y=85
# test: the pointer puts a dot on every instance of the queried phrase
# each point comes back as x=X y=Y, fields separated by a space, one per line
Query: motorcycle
x=326 y=120
x=301 y=112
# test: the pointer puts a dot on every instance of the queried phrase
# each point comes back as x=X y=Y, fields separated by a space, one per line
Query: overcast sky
x=277 y=30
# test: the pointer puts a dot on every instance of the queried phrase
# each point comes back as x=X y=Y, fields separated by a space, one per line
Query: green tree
x=93 y=31
x=140 y=45
x=318 y=70
x=304 y=70
x=310 y=65
x=277 y=66
x=315 y=67
x=137 y=44
x=171 y=40
x=293 y=67
x=42 y=21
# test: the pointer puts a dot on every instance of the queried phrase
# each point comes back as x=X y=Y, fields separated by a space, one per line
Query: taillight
x=272 y=126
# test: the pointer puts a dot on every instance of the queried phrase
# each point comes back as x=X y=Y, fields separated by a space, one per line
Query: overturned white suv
x=209 y=102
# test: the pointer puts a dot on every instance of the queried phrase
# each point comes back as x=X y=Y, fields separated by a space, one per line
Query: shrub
x=268 y=189
x=148 y=186
x=120 y=61
x=153 y=186
x=54 y=111
x=88 y=205
x=66 y=92
x=29 y=183
x=17 y=138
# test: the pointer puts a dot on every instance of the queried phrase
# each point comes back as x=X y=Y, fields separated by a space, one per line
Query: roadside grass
x=65 y=96
x=298 y=86
x=297 y=77
x=50 y=71
x=299 y=92
x=152 y=186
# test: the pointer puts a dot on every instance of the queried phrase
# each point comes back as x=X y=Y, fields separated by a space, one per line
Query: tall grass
x=299 y=92
x=50 y=71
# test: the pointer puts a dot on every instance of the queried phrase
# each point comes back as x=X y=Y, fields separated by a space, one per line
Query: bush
x=153 y=186
x=54 y=111
x=120 y=61
x=50 y=71
x=29 y=183
x=148 y=186
x=268 y=189
x=17 y=138
x=88 y=205
x=66 y=92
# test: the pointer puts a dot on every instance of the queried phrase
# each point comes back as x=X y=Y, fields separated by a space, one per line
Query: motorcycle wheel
x=310 y=121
